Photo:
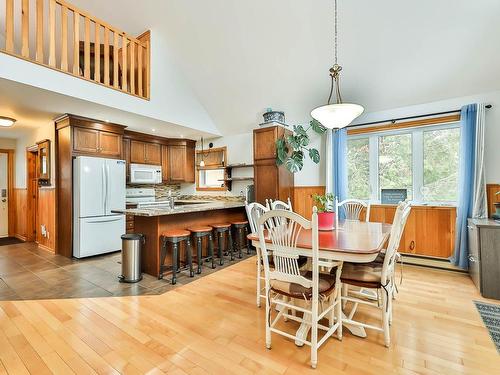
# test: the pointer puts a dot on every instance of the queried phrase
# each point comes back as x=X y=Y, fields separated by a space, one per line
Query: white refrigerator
x=98 y=188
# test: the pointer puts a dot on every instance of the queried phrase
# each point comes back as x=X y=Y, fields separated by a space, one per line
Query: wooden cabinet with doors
x=180 y=163
x=271 y=181
x=78 y=136
x=145 y=153
x=176 y=156
x=429 y=231
x=99 y=142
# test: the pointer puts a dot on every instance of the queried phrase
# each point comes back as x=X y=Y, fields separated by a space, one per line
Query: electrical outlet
x=43 y=230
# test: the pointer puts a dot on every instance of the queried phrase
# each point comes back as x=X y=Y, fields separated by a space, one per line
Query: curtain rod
x=410 y=117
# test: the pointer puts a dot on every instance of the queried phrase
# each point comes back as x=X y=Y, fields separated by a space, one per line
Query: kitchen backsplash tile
x=161 y=191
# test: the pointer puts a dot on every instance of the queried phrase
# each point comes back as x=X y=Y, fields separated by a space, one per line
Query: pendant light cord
x=335 y=70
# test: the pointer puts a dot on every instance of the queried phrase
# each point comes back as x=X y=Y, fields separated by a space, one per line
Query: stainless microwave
x=145 y=174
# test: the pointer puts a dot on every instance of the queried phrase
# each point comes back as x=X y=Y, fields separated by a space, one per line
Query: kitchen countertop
x=181 y=209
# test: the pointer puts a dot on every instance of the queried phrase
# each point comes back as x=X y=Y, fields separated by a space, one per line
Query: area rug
x=9 y=241
x=490 y=314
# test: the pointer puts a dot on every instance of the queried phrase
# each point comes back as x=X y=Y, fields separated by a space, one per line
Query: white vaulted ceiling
x=240 y=57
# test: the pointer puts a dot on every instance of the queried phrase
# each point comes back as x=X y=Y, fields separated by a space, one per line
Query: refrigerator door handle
x=108 y=184
x=105 y=219
x=104 y=188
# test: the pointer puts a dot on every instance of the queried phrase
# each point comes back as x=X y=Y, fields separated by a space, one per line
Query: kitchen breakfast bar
x=153 y=221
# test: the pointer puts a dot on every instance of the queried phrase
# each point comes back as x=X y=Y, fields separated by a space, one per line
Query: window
x=395 y=162
x=441 y=165
x=358 y=168
x=422 y=160
x=211 y=178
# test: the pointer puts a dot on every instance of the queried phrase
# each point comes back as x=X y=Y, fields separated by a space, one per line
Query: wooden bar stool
x=198 y=234
x=240 y=229
x=175 y=237
x=222 y=229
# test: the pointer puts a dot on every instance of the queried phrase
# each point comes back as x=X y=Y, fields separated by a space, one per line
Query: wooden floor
x=213 y=326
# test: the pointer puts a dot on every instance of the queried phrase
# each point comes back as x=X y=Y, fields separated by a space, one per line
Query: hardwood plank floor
x=213 y=326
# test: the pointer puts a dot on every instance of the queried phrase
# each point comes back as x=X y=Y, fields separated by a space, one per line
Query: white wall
x=172 y=100
x=7 y=143
x=492 y=148
x=44 y=131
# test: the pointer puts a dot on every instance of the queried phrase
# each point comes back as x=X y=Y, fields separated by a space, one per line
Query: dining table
x=350 y=241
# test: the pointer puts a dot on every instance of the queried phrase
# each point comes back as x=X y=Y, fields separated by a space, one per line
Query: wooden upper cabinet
x=145 y=153
x=165 y=168
x=137 y=152
x=86 y=140
x=177 y=162
x=264 y=142
x=190 y=164
x=152 y=152
x=97 y=142
x=110 y=144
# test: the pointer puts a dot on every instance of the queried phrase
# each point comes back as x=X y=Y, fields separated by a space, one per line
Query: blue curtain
x=468 y=121
x=340 y=163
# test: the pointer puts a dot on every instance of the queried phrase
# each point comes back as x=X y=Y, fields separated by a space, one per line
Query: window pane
x=358 y=168
x=395 y=163
x=441 y=165
x=211 y=178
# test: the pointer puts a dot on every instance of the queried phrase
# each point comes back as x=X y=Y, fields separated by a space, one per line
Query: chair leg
x=258 y=276
x=163 y=255
x=211 y=249
x=240 y=242
x=385 y=319
x=198 y=254
x=249 y=250
x=339 y=313
x=230 y=244
x=221 y=240
x=175 y=249
x=268 y=322
x=345 y=292
x=314 y=334
x=189 y=253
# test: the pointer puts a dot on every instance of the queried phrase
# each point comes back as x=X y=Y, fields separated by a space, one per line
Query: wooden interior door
x=86 y=140
x=110 y=144
x=32 y=204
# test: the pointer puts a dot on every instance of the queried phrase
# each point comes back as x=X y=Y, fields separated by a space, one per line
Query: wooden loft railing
x=55 y=34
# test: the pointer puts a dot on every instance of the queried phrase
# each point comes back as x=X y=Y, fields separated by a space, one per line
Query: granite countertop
x=484 y=222
x=181 y=209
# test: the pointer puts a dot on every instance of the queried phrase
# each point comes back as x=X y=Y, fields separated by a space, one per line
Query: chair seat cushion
x=200 y=229
x=244 y=222
x=362 y=274
x=174 y=233
x=326 y=286
x=221 y=225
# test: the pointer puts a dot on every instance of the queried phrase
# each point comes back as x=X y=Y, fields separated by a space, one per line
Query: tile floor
x=27 y=272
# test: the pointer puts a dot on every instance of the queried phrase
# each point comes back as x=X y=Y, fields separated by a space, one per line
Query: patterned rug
x=491 y=318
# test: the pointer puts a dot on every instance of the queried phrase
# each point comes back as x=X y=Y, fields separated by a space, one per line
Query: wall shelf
x=229 y=173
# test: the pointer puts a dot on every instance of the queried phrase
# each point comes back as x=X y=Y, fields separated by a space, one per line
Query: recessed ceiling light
x=181 y=135
x=6 y=121
x=106 y=120
x=153 y=130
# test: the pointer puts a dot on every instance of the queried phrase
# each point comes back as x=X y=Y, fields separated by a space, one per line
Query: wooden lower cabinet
x=429 y=231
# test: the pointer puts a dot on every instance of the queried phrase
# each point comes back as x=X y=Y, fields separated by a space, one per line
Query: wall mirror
x=43 y=162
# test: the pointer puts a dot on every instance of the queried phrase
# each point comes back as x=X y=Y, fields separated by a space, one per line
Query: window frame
x=417 y=145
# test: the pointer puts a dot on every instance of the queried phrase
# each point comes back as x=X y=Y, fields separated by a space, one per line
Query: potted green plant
x=291 y=149
x=326 y=215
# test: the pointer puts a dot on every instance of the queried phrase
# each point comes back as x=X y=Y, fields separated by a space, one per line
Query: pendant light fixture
x=339 y=114
x=202 y=161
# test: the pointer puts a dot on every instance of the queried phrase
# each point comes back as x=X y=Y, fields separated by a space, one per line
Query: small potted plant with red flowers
x=326 y=215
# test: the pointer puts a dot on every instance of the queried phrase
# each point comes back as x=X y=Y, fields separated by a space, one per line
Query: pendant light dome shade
x=337 y=115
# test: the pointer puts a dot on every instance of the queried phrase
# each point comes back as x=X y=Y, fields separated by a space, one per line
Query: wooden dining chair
x=254 y=211
x=280 y=205
x=352 y=209
x=377 y=275
x=287 y=282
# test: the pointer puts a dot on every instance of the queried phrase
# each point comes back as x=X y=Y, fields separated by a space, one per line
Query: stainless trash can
x=131 y=258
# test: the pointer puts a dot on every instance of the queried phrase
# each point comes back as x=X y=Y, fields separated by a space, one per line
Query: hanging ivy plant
x=291 y=149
